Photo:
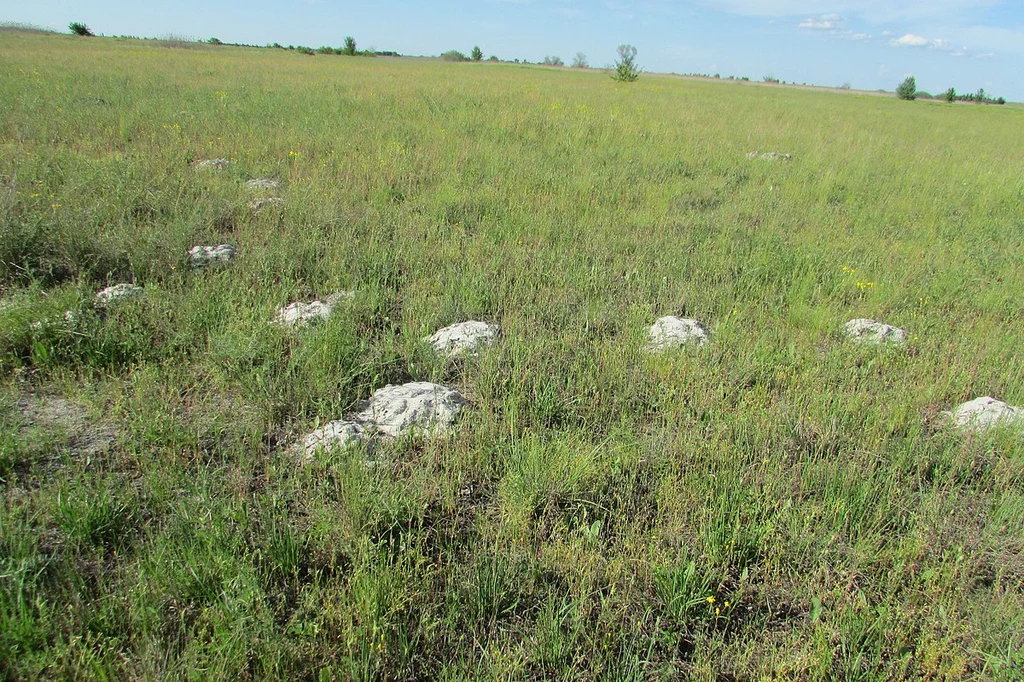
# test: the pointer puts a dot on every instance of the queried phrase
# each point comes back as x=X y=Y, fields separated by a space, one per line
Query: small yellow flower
x=711 y=600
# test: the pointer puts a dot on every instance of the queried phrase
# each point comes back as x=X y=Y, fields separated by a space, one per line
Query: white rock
x=982 y=414
x=336 y=434
x=216 y=164
x=301 y=314
x=116 y=293
x=870 y=331
x=263 y=183
x=265 y=202
x=670 y=332
x=419 y=407
x=464 y=338
x=201 y=256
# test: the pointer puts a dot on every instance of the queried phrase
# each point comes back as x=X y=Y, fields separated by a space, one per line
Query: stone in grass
x=415 y=408
x=117 y=293
x=336 y=434
x=981 y=414
x=215 y=164
x=769 y=156
x=262 y=183
x=201 y=256
x=265 y=202
x=464 y=338
x=869 y=331
x=671 y=332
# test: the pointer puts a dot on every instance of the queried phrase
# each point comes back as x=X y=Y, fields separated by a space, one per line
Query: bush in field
x=302 y=49
x=350 y=46
x=454 y=56
x=626 y=70
x=477 y=54
x=80 y=29
x=907 y=89
x=949 y=95
x=580 y=61
x=553 y=61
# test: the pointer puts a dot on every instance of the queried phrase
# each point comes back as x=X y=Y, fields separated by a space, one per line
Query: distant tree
x=980 y=96
x=949 y=95
x=493 y=58
x=580 y=61
x=553 y=61
x=907 y=89
x=214 y=41
x=770 y=79
x=477 y=54
x=350 y=46
x=845 y=86
x=626 y=70
x=454 y=56
x=80 y=29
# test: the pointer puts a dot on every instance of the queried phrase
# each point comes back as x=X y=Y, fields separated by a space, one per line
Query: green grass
x=779 y=504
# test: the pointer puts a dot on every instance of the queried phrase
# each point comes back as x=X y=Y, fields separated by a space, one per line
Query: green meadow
x=779 y=504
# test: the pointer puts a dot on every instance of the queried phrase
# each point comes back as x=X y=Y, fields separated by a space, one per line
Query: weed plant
x=779 y=504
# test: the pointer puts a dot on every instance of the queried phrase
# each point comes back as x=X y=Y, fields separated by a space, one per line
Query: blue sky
x=871 y=44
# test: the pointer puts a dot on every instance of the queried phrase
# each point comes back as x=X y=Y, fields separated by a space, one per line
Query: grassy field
x=779 y=504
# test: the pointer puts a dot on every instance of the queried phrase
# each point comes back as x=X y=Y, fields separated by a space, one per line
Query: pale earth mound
x=672 y=332
x=418 y=408
x=299 y=314
x=117 y=293
x=464 y=338
x=869 y=331
x=201 y=256
x=981 y=414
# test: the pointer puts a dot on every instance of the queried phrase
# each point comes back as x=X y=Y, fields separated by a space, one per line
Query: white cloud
x=825 y=23
x=911 y=40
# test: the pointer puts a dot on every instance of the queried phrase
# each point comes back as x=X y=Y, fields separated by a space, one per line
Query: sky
x=868 y=44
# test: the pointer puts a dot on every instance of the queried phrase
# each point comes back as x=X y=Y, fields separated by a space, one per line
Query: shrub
x=302 y=49
x=350 y=46
x=949 y=95
x=454 y=56
x=580 y=61
x=626 y=70
x=907 y=89
x=214 y=41
x=80 y=29
x=553 y=61
x=477 y=54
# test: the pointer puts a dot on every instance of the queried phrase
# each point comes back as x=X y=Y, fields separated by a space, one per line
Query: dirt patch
x=86 y=436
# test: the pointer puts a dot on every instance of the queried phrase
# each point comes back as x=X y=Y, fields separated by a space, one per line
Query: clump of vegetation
x=907 y=89
x=626 y=70
x=580 y=61
x=302 y=49
x=553 y=61
x=454 y=56
x=477 y=54
x=349 y=47
x=80 y=29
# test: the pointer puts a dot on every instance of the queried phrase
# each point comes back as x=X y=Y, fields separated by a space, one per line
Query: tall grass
x=777 y=504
